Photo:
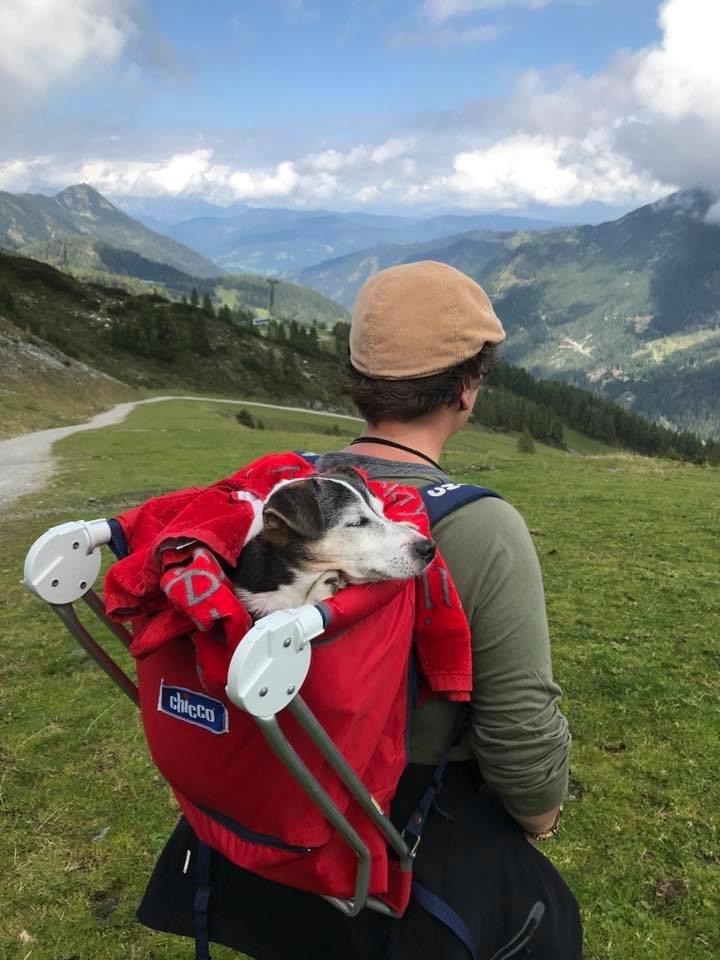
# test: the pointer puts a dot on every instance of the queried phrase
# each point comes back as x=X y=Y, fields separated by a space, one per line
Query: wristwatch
x=551 y=830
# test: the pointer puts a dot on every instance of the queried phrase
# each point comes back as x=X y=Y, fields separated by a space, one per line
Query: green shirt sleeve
x=518 y=734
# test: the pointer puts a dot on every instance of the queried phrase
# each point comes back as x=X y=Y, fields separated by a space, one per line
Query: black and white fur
x=318 y=534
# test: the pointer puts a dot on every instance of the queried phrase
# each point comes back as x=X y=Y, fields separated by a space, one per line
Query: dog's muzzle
x=425 y=549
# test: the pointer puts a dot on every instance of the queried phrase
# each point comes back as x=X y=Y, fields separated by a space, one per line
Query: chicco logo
x=193 y=707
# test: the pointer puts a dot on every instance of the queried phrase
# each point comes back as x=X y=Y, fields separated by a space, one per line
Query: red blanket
x=172 y=584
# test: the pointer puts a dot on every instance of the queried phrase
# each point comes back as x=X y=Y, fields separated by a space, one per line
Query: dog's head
x=334 y=520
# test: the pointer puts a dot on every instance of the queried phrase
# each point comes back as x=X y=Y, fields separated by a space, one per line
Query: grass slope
x=41 y=387
x=629 y=553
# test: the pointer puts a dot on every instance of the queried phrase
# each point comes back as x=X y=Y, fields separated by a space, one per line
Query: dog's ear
x=344 y=471
x=294 y=506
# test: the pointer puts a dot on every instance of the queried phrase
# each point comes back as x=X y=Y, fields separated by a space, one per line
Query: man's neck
x=421 y=438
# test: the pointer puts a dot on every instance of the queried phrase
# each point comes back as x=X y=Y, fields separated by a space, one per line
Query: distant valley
x=284 y=242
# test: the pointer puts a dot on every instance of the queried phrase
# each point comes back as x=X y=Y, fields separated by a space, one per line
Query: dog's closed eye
x=360 y=522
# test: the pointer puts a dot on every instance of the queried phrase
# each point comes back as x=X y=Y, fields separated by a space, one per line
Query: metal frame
x=265 y=677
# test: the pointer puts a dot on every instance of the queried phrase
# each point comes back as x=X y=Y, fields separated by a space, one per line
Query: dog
x=319 y=534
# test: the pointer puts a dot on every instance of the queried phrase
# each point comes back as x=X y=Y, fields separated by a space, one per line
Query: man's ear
x=463 y=400
x=294 y=507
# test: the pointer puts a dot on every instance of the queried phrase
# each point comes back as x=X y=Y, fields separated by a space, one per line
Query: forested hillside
x=148 y=341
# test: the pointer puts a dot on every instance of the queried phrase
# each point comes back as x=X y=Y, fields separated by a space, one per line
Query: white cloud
x=713 y=215
x=440 y=10
x=332 y=161
x=367 y=194
x=183 y=174
x=392 y=149
x=682 y=75
x=524 y=169
x=44 y=42
x=255 y=184
x=15 y=175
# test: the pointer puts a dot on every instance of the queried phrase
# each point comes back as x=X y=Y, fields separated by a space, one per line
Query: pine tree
x=7 y=301
x=207 y=306
x=341 y=332
x=199 y=342
x=526 y=443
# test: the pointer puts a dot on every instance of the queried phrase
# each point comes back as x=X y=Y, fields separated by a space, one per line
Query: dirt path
x=26 y=462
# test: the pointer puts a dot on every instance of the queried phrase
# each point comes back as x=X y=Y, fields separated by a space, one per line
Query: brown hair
x=379 y=400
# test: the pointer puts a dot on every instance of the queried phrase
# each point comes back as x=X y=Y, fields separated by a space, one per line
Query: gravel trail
x=26 y=462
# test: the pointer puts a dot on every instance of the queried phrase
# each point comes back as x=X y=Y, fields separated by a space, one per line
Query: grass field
x=629 y=553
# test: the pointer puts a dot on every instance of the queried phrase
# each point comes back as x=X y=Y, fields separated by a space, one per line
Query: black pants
x=477 y=859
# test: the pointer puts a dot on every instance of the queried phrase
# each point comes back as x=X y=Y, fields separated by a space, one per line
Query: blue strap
x=118 y=543
x=202 y=899
x=416 y=824
x=440 y=499
x=446 y=915
x=312 y=458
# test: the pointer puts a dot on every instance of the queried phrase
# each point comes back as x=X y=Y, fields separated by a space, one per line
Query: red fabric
x=186 y=624
x=166 y=531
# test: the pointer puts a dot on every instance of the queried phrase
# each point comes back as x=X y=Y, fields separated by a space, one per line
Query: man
x=422 y=338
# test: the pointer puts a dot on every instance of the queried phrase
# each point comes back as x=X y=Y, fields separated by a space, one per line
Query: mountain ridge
x=81 y=211
x=282 y=242
x=629 y=308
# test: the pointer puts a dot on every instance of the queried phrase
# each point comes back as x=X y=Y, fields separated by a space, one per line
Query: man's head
x=422 y=337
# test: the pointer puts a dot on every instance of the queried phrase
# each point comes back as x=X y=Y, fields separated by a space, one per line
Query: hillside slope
x=143 y=342
x=341 y=277
x=41 y=386
x=28 y=220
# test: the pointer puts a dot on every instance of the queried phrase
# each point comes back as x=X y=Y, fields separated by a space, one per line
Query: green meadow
x=629 y=550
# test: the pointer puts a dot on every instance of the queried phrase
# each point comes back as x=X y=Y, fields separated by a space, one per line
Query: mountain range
x=82 y=233
x=54 y=228
x=629 y=308
x=284 y=242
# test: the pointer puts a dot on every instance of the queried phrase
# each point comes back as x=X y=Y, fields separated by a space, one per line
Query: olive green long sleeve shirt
x=517 y=734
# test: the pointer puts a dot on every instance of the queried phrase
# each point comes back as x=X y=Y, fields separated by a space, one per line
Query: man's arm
x=518 y=735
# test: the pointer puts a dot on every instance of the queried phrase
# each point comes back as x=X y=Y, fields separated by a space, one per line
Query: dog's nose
x=425 y=549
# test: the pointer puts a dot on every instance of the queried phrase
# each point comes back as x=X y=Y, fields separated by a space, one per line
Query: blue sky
x=382 y=104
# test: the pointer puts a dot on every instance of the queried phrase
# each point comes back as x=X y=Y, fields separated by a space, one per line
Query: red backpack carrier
x=237 y=795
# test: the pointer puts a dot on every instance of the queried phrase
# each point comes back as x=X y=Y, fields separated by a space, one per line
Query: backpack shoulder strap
x=441 y=499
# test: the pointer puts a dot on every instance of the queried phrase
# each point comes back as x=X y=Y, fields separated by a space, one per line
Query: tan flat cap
x=416 y=319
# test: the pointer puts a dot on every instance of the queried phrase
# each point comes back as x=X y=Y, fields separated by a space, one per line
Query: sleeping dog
x=319 y=534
